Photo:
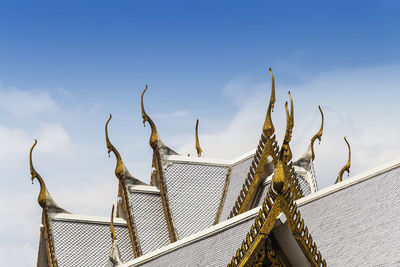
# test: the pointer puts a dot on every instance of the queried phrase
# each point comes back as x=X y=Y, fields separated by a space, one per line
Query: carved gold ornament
x=198 y=148
x=345 y=167
x=318 y=135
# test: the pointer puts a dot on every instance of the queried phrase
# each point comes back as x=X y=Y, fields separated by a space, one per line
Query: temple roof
x=221 y=212
x=348 y=239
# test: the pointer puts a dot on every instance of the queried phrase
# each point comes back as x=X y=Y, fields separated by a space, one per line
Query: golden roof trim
x=318 y=135
x=133 y=234
x=345 y=167
x=223 y=197
x=154 y=137
x=198 y=148
x=112 y=229
x=159 y=176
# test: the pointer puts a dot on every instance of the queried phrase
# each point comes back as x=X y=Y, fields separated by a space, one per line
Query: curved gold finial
x=289 y=120
x=345 y=167
x=286 y=151
x=119 y=169
x=318 y=135
x=43 y=191
x=291 y=115
x=154 y=138
x=268 y=125
x=112 y=229
x=198 y=148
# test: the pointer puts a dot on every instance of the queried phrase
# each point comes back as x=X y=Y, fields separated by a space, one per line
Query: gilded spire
x=119 y=169
x=318 y=135
x=268 y=125
x=345 y=167
x=43 y=191
x=112 y=229
x=198 y=148
x=154 y=138
x=286 y=153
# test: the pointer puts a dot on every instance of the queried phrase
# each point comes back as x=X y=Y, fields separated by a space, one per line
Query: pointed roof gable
x=255 y=248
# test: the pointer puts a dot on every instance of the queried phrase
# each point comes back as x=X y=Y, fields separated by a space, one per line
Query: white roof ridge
x=211 y=161
x=86 y=218
x=144 y=189
x=385 y=167
x=222 y=226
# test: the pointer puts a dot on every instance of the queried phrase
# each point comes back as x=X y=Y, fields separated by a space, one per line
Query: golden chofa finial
x=119 y=169
x=318 y=135
x=286 y=153
x=154 y=138
x=345 y=167
x=43 y=191
x=112 y=229
x=268 y=125
x=198 y=148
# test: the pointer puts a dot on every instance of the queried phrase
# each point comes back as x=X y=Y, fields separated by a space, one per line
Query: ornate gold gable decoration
x=198 y=148
x=256 y=247
x=266 y=147
x=318 y=135
x=345 y=167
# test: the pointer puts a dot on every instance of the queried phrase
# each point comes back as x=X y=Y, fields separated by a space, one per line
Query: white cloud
x=22 y=103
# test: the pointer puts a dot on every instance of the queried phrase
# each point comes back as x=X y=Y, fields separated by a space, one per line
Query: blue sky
x=64 y=65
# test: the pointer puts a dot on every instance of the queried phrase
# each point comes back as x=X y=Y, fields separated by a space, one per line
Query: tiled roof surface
x=215 y=250
x=236 y=181
x=194 y=192
x=150 y=221
x=358 y=225
x=87 y=244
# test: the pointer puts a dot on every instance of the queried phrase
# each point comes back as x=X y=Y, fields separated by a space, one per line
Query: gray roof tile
x=236 y=181
x=150 y=221
x=358 y=225
x=87 y=244
x=194 y=192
